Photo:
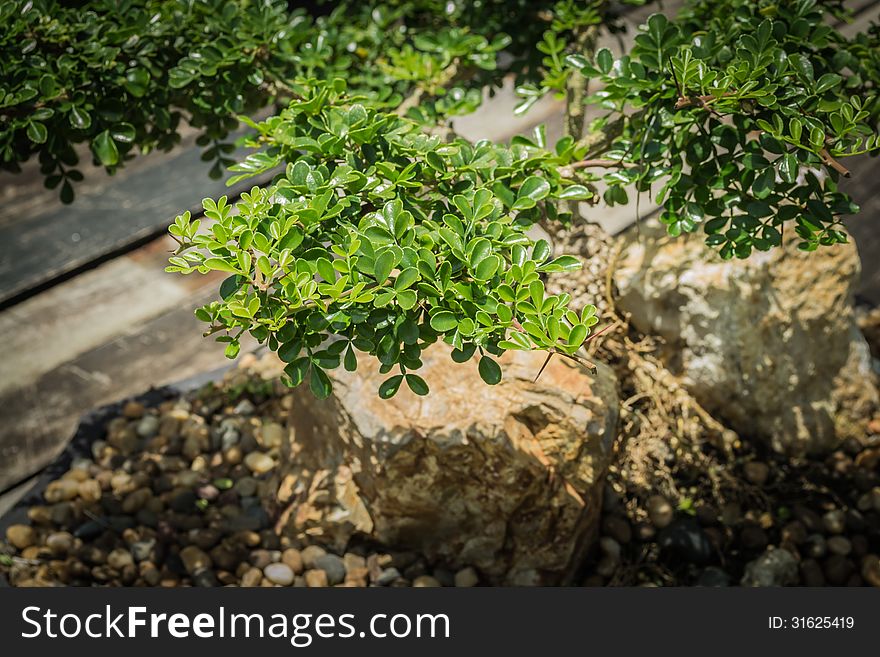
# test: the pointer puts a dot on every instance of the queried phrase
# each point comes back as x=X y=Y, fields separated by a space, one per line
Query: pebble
x=839 y=545
x=316 y=579
x=838 y=569
x=148 y=426
x=205 y=578
x=353 y=561
x=466 y=577
x=425 y=581
x=610 y=547
x=21 y=536
x=271 y=435
x=293 y=558
x=89 y=490
x=251 y=577
x=61 y=543
x=61 y=490
x=871 y=570
x=685 y=539
x=714 y=577
x=119 y=559
x=660 y=511
x=834 y=521
x=811 y=573
x=773 y=568
x=334 y=566
x=194 y=559
x=142 y=550
x=311 y=554
x=816 y=546
x=279 y=573
x=387 y=576
x=259 y=463
x=133 y=410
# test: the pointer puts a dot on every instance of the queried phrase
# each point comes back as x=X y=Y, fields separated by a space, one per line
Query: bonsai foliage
x=383 y=239
x=743 y=111
x=125 y=76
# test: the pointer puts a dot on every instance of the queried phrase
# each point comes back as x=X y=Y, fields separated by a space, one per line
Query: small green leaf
x=417 y=384
x=37 y=132
x=487 y=268
x=319 y=383
x=390 y=386
x=788 y=167
x=490 y=371
x=79 y=118
x=605 y=60
x=443 y=321
x=105 y=148
x=383 y=266
x=534 y=188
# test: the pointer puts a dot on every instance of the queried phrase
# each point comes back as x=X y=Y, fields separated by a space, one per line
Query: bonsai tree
x=383 y=232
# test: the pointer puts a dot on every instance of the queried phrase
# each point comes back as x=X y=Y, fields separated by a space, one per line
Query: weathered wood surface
x=42 y=240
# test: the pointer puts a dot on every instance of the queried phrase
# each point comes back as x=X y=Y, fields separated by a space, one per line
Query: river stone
x=506 y=478
x=769 y=343
x=773 y=568
x=279 y=573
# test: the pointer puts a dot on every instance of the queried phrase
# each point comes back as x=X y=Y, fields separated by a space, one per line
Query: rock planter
x=769 y=344
x=506 y=478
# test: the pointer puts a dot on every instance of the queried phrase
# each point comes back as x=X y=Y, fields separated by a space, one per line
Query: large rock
x=769 y=343
x=507 y=478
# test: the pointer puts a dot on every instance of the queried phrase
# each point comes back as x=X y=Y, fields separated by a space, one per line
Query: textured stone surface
x=768 y=343
x=505 y=478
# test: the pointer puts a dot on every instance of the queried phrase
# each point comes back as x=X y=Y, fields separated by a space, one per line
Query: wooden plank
x=110 y=216
x=92 y=308
x=37 y=419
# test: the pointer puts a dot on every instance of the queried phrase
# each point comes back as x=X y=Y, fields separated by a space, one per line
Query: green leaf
x=443 y=321
x=490 y=371
x=577 y=335
x=406 y=278
x=319 y=383
x=487 y=267
x=105 y=148
x=788 y=167
x=575 y=193
x=604 y=60
x=37 y=132
x=123 y=133
x=827 y=81
x=541 y=251
x=417 y=384
x=79 y=118
x=297 y=370
x=350 y=362
x=219 y=264
x=390 y=386
x=383 y=266
x=534 y=188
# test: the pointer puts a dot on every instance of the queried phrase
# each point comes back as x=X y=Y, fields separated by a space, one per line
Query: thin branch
x=834 y=164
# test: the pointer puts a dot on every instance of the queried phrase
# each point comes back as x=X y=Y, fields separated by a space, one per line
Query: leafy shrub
x=743 y=110
x=123 y=76
x=381 y=238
